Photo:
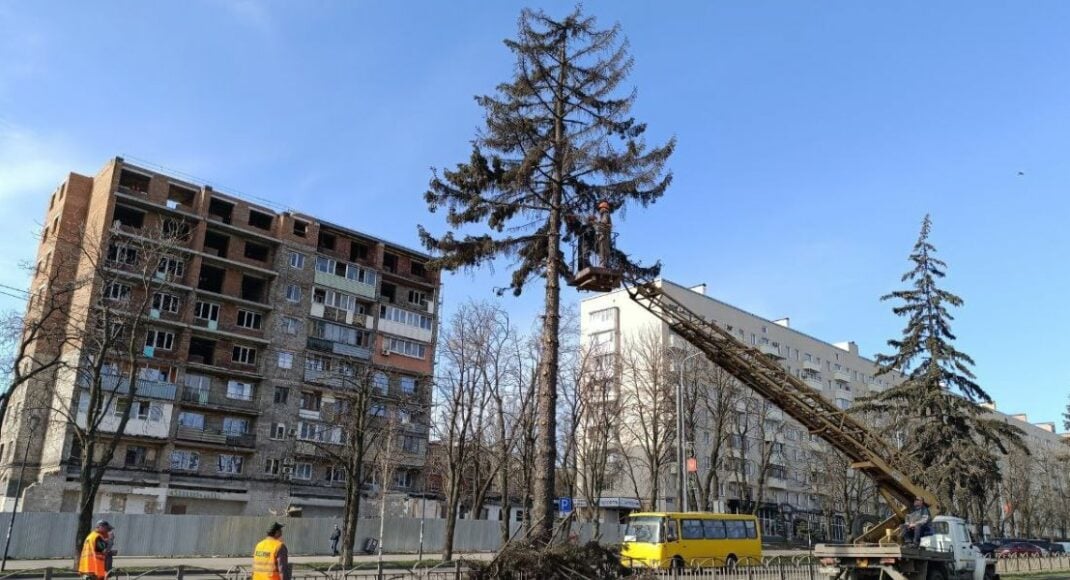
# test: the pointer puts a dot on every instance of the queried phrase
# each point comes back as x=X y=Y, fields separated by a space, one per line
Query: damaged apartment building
x=260 y=314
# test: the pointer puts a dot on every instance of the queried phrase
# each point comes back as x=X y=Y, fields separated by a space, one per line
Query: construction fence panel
x=51 y=535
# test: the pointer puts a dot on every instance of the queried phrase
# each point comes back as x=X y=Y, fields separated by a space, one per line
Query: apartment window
x=334 y=299
x=158 y=373
x=256 y=252
x=160 y=339
x=239 y=391
x=326 y=241
x=408 y=385
x=311 y=401
x=136 y=456
x=230 y=464
x=417 y=269
x=339 y=333
x=377 y=410
x=290 y=325
x=206 y=311
x=121 y=254
x=293 y=293
x=297 y=260
x=191 y=420
x=260 y=220
x=303 y=471
x=406 y=347
x=282 y=395
x=278 y=431
x=185 y=460
x=140 y=409
x=843 y=403
x=271 y=466
x=243 y=355
x=380 y=381
x=390 y=262
x=235 y=426
x=117 y=291
x=358 y=251
x=410 y=444
x=317 y=363
x=359 y=274
x=249 y=319
x=171 y=267
x=602 y=316
x=405 y=317
x=336 y=474
x=165 y=302
x=417 y=297
x=286 y=360
x=403 y=479
x=300 y=228
x=310 y=431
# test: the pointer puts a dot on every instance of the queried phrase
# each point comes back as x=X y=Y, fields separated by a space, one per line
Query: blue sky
x=813 y=137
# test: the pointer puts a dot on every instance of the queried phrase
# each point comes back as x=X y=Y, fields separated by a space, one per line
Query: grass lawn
x=1040 y=576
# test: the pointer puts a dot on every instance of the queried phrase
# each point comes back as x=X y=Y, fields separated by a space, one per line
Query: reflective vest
x=265 y=564
x=91 y=562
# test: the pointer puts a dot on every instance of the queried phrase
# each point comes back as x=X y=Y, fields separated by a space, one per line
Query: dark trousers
x=912 y=535
x=334 y=547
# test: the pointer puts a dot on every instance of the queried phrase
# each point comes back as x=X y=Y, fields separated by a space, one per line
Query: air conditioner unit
x=287 y=470
x=288 y=461
x=386 y=352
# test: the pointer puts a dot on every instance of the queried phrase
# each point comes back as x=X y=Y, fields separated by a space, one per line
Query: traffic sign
x=564 y=505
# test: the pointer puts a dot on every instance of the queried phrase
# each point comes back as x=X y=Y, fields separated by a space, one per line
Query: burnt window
x=256 y=252
x=327 y=241
x=211 y=279
x=201 y=350
x=418 y=269
x=300 y=228
x=129 y=217
x=390 y=262
x=389 y=291
x=130 y=181
x=220 y=210
x=253 y=289
x=216 y=244
x=260 y=220
x=178 y=196
x=358 y=251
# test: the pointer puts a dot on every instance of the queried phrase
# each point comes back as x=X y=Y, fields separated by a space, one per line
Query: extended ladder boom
x=868 y=452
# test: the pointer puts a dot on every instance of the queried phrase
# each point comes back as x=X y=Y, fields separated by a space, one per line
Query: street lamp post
x=681 y=467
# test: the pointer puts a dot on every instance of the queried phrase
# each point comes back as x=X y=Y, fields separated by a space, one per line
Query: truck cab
x=947 y=554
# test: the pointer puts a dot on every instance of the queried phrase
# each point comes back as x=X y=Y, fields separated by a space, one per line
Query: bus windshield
x=645 y=529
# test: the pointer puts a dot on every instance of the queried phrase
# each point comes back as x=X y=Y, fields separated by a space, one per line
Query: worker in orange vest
x=94 y=550
x=270 y=558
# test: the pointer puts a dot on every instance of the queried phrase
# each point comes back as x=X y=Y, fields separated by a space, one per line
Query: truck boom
x=890 y=470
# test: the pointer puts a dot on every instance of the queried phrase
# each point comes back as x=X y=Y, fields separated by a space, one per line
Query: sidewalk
x=223 y=563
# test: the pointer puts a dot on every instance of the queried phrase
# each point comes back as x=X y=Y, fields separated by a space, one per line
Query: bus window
x=713 y=529
x=670 y=530
x=643 y=529
x=691 y=529
x=737 y=529
x=752 y=531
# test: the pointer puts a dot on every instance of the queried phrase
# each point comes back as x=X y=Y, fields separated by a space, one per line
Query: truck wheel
x=937 y=574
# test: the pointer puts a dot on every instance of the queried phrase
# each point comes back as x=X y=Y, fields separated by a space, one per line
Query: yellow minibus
x=681 y=540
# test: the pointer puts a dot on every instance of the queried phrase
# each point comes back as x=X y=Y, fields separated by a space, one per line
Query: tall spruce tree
x=559 y=139
x=941 y=423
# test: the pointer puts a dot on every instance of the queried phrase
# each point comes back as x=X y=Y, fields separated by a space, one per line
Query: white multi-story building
x=794 y=489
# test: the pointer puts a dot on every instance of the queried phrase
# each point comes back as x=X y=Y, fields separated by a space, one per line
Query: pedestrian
x=110 y=552
x=917 y=522
x=335 y=536
x=270 y=558
x=91 y=563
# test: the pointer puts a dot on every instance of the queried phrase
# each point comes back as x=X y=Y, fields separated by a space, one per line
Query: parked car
x=1018 y=549
x=1049 y=547
x=1065 y=545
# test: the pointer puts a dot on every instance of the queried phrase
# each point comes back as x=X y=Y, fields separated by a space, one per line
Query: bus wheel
x=731 y=562
x=678 y=564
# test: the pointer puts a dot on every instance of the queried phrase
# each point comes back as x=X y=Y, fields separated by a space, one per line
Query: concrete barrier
x=51 y=535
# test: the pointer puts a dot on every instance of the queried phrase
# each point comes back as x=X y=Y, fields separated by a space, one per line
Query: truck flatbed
x=877 y=552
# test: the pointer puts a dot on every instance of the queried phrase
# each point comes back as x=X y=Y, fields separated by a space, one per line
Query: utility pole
x=18 y=492
x=681 y=459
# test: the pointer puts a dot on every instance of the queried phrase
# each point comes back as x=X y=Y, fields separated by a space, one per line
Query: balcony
x=216 y=400
x=815 y=383
x=811 y=366
x=770 y=350
x=841 y=377
x=145 y=388
x=339 y=348
x=416 y=333
x=216 y=437
x=345 y=285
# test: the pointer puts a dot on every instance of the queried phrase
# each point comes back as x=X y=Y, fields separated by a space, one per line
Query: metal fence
x=1028 y=564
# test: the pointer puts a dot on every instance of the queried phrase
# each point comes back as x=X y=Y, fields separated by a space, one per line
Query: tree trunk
x=87 y=498
x=503 y=485
x=451 y=518
x=352 y=514
x=546 y=452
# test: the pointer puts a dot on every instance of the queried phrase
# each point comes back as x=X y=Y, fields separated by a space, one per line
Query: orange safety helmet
x=603 y=205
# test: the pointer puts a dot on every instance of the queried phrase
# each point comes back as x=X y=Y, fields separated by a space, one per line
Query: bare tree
x=648 y=427
x=598 y=421
x=843 y=490
x=126 y=271
x=719 y=399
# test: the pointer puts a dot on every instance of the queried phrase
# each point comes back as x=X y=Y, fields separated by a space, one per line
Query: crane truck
x=947 y=554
